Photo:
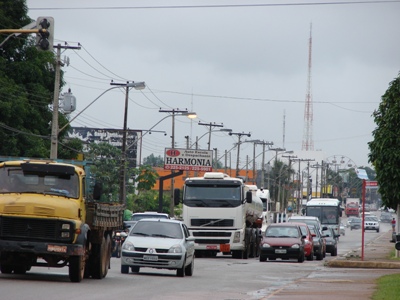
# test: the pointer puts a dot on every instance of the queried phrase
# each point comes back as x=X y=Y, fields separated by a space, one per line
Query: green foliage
x=154 y=161
x=106 y=167
x=145 y=177
x=385 y=147
x=26 y=89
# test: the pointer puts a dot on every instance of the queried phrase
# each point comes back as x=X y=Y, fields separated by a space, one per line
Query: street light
x=209 y=139
x=211 y=125
x=173 y=112
x=122 y=183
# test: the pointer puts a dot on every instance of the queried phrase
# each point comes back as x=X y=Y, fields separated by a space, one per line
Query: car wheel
x=181 y=271
x=377 y=230
x=320 y=256
x=301 y=258
x=263 y=258
x=334 y=252
x=124 y=269
x=190 y=268
x=311 y=256
x=135 y=269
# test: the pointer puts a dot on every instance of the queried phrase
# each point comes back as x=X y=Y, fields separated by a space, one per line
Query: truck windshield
x=14 y=180
x=220 y=196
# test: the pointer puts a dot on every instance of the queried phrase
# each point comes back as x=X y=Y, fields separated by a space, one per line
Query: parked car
x=342 y=229
x=356 y=223
x=371 y=223
x=318 y=242
x=308 y=241
x=161 y=244
x=331 y=239
x=284 y=241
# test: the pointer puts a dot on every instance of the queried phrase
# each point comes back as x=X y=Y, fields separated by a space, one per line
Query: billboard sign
x=188 y=159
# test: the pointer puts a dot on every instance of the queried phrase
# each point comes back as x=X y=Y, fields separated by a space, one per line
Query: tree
x=154 y=161
x=106 y=167
x=385 y=146
x=26 y=90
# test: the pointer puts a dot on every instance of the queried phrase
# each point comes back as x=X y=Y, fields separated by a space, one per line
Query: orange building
x=179 y=180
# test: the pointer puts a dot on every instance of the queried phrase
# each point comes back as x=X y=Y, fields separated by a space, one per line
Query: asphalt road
x=214 y=278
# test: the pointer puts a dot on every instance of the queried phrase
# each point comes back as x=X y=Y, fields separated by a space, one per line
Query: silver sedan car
x=161 y=244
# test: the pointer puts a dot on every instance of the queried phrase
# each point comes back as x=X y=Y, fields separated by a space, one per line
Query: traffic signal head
x=45 y=34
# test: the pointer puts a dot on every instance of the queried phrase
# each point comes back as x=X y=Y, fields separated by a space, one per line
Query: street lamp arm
x=77 y=115
x=148 y=130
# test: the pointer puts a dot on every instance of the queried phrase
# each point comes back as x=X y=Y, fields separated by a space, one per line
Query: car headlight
x=296 y=246
x=128 y=246
x=175 y=249
x=265 y=245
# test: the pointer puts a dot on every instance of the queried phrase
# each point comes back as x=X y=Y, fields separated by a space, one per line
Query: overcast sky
x=241 y=63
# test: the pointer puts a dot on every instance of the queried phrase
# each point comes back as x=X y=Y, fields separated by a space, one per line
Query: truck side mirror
x=249 y=197
x=97 y=191
x=177 y=196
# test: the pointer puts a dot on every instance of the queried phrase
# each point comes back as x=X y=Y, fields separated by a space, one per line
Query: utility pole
x=239 y=135
x=210 y=125
x=122 y=181
x=56 y=96
x=290 y=157
x=300 y=184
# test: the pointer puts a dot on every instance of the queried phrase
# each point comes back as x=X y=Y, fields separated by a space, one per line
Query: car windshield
x=157 y=229
x=371 y=219
x=357 y=220
x=328 y=233
x=282 y=231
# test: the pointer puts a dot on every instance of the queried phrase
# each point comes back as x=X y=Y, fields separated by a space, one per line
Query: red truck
x=352 y=208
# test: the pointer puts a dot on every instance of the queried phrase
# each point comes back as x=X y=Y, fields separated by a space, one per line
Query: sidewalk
x=376 y=255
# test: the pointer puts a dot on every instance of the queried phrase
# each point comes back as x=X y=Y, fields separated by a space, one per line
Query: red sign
x=371 y=183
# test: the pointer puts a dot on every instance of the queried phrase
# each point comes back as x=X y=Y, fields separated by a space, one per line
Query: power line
x=217 y=5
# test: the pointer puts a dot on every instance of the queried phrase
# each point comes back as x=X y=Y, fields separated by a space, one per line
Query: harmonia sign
x=188 y=159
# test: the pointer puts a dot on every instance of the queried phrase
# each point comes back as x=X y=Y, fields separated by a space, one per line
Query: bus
x=327 y=210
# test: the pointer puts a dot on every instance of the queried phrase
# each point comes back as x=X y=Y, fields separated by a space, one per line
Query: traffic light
x=45 y=34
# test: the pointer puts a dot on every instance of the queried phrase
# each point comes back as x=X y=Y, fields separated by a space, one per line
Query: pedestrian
x=393 y=225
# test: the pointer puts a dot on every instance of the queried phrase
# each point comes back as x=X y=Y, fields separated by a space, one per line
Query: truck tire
x=101 y=259
x=20 y=269
x=6 y=269
x=76 y=268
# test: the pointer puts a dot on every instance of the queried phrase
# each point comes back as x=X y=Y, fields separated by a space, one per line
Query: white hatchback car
x=161 y=244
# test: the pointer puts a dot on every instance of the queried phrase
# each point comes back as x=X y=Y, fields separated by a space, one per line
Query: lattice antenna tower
x=308 y=143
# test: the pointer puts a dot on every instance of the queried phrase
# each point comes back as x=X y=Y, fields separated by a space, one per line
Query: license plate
x=150 y=257
x=280 y=251
x=224 y=247
x=56 y=248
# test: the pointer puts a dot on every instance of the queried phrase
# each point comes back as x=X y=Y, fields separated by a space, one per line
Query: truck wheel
x=76 y=268
x=6 y=269
x=20 y=270
x=100 y=259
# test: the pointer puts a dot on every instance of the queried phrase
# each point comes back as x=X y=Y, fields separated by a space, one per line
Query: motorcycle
x=117 y=242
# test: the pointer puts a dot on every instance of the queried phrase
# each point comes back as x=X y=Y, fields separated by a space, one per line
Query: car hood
x=152 y=242
x=281 y=241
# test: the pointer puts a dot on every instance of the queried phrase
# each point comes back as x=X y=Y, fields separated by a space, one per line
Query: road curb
x=363 y=264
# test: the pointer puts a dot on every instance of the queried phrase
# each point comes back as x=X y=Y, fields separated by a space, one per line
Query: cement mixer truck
x=223 y=214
